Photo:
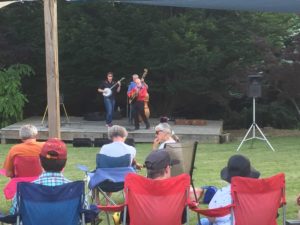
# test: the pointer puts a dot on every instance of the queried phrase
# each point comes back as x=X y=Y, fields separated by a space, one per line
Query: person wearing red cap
x=53 y=158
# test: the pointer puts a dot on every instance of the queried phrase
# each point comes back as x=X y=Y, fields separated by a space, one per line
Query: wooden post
x=51 y=45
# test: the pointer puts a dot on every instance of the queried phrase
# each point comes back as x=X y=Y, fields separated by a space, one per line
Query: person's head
x=158 y=164
x=164 y=119
x=138 y=82
x=110 y=76
x=238 y=165
x=28 y=131
x=53 y=155
x=117 y=132
x=134 y=77
x=163 y=132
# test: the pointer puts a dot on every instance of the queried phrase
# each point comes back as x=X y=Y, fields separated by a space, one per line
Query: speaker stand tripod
x=253 y=128
x=65 y=111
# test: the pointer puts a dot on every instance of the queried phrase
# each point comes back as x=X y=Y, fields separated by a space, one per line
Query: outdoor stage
x=77 y=127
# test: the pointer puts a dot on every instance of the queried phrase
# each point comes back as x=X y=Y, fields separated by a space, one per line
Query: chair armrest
x=217 y=212
x=111 y=208
x=10 y=219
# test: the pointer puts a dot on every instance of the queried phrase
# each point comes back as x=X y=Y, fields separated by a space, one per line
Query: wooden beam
x=51 y=45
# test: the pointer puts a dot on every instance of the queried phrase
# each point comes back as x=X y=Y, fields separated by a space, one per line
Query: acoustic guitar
x=133 y=97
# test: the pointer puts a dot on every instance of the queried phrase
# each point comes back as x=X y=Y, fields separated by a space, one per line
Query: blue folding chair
x=59 y=205
x=109 y=176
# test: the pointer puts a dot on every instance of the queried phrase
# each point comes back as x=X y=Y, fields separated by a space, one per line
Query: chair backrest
x=153 y=202
x=104 y=161
x=185 y=153
x=27 y=166
x=59 y=205
x=256 y=201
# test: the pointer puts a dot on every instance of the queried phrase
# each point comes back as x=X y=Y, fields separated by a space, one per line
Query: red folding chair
x=255 y=201
x=26 y=169
x=27 y=166
x=152 y=202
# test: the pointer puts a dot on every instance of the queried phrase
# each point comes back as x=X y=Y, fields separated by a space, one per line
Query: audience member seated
x=123 y=154
x=28 y=148
x=238 y=165
x=165 y=119
x=158 y=164
x=163 y=136
x=53 y=158
x=118 y=147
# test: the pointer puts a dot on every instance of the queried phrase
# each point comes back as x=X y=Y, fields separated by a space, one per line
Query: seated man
x=29 y=147
x=158 y=164
x=53 y=159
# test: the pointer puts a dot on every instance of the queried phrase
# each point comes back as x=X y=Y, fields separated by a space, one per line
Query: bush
x=12 y=100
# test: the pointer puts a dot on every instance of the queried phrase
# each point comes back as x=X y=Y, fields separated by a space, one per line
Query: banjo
x=108 y=91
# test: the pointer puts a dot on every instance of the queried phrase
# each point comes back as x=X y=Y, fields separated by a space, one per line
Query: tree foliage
x=198 y=60
x=12 y=99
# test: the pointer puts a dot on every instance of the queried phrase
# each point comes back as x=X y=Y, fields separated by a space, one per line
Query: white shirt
x=221 y=198
x=117 y=149
x=162 y=145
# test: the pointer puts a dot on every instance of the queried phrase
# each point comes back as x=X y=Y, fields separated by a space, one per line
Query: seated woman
x=163 y=136
x=118 y=147
x=237 y=165
x=117 y=155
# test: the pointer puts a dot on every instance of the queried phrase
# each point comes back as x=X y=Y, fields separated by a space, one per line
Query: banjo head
x=107 y=92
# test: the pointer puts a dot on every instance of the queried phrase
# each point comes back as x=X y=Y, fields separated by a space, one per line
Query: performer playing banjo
x=109 y=88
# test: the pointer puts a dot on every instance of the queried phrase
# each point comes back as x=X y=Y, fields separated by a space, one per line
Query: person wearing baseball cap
x=237 y=165
x=158 y=164
x=53 y=158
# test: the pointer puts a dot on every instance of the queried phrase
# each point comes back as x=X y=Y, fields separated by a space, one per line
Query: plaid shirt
x=46 y=178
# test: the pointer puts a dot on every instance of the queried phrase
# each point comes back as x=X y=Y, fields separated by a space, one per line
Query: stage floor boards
x=77 y=127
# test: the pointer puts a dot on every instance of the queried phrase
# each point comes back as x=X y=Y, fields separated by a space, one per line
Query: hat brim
x=225 y=175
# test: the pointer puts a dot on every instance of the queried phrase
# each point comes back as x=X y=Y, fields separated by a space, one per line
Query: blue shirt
x=131 y=86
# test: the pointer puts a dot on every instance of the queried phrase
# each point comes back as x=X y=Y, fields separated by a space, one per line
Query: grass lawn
x=210 y=159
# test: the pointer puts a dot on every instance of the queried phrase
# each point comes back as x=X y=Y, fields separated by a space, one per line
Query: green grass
x=210 y=159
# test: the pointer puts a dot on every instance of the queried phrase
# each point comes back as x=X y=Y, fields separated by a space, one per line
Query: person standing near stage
x=138 y=94
x=109 y=99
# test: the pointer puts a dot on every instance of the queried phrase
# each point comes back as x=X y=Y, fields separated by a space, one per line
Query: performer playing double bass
x=109 y=88
x=137 y=95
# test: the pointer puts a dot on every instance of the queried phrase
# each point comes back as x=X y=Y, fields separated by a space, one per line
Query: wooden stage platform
x=80 y=128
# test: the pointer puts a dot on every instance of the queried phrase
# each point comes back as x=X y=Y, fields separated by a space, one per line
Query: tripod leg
x=262 y=134
x=242 y=142
x=42 y=123
x=63 y=105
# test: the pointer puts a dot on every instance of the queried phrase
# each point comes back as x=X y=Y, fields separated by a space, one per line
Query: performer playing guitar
x=133 y=84
x=140 y=91
x=109 y=88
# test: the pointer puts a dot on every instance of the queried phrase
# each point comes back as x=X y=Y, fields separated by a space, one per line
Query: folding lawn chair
x=59 y=205
x=109 y=176
x=27 y=166
x=153 y=202
x=186 y=154
x=26 y=169
x=254 y=201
